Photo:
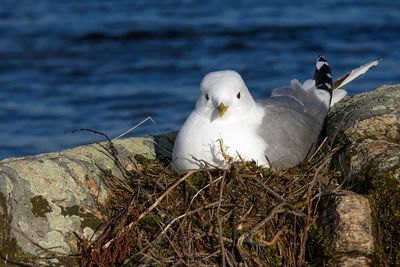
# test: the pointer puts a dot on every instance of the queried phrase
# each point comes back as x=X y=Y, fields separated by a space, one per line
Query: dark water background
x=107 y=65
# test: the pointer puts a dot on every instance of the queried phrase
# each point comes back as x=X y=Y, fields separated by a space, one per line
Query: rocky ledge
x=47 y=200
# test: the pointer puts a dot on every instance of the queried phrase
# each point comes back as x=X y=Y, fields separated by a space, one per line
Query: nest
x=241 y=216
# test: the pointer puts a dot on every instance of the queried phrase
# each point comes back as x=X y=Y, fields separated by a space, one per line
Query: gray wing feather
x=290 y=132
x=309 y=99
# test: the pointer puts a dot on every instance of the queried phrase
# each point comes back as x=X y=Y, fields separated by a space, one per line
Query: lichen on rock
x=373 y=115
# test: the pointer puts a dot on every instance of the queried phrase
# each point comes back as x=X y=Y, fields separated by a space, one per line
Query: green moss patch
x=319 y=246
x=384 y=194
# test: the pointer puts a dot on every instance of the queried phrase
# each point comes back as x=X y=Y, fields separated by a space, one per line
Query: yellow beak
x=222 y=109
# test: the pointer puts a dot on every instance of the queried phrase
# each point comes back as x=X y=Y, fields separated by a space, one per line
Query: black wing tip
x=321 y=58
x=323 y=74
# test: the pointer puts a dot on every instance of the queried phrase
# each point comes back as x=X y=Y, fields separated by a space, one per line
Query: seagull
x=281 y=131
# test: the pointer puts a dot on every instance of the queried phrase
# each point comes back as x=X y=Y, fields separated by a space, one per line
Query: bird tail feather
x=314 y=95
x=348 y=77
x=321 y=93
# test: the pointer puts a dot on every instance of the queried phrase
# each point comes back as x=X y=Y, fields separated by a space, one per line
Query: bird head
x=223 y=95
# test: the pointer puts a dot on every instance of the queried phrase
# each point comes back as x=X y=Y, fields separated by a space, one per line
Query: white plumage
x=281 y=131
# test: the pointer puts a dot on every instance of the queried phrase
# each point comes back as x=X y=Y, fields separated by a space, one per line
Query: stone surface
x=347 y=222
x=46 y=199
x=368 y=157
x=359 y=261
x=373 y=115
x=367 y=127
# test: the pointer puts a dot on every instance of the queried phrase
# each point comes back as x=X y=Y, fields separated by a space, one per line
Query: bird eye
x=238 y=95
x=207 y=97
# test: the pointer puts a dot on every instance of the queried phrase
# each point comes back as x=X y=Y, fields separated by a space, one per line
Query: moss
x=319 y=248
x=318 y=245
x=253 y=167
x=384 y=195
x=89 y=219
x=40 y=206
x=142 y=160
x=197 y=181
x=273 y=256
x=151 y=223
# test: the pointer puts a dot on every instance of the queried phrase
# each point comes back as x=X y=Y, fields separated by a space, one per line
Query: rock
x=347 y=223
x=368 y=157
x=359 y=261
x=46 y=200
x=367 y=127
x=373 y=115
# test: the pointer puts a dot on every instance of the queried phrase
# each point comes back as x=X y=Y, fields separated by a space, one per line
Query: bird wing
x=315 y=102
x=290 y=133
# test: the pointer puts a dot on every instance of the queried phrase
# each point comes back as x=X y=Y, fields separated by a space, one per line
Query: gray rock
x=46 y=199
x=373 y=115
x=347 y=222
x=368 y=127
x=368 y=158
x=359 y=261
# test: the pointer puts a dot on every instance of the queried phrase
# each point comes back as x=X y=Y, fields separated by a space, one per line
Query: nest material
x=242 y=216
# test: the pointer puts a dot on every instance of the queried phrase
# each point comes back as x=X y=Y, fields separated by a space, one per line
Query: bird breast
x=211 y=141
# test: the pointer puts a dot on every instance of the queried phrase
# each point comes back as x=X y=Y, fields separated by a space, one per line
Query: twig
x=318 y=149
x=221 y=242
x=211 y=255
x=267 y=243
x=225 y=239
x=268 y=161
x=230 y=259
x=270 y=191
x=163 y=231
x=187 y=214
x=304 y=235
x=248 y=236
x=145 y=213
x=160 y=146
x=224 y=152
x=206 y=165
x=45 y=250
x=112 y=151
x=280 y=198
x=6 y=260
x=137 y=125
x=277 y=209
x=205 y=187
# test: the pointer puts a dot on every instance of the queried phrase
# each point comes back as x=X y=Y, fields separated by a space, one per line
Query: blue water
x=107 y=65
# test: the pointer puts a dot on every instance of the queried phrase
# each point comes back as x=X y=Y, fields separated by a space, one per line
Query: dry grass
x=243 y=216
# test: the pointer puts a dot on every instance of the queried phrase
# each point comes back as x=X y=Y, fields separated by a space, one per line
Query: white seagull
x=280 y=131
